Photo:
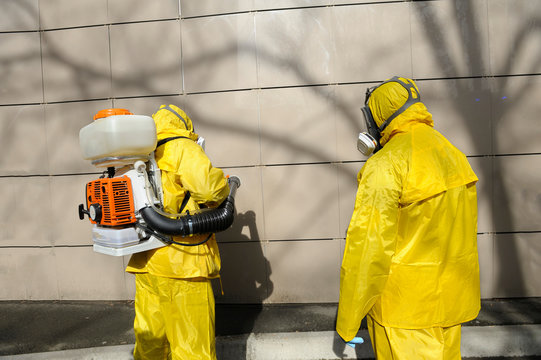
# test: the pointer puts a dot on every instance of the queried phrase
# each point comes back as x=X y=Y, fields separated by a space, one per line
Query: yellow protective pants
x=174 y=319
x=435 y=343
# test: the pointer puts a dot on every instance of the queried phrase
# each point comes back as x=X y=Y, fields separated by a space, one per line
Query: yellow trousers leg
x=174 y=319
x=435 y=343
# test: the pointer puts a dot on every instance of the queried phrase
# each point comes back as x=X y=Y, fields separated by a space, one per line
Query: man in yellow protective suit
x=174 y=302
x=410 y=263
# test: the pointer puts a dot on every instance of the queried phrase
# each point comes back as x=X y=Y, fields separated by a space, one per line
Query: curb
x=477 y=342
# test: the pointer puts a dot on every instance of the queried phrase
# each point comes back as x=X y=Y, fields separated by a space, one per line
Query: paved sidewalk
x=514 y=341
x=509 y=329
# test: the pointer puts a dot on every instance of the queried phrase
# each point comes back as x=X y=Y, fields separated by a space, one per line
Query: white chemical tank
x=117 y=137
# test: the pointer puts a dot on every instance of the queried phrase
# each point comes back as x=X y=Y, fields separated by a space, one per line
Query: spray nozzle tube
x=208 y=221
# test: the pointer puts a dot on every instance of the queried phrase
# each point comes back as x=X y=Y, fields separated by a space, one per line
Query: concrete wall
x=275 y=87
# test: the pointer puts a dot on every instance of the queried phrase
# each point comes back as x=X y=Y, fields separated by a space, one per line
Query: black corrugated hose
x=204 y=222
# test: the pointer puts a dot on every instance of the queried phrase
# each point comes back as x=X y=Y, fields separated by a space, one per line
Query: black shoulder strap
x=188 y=195
x=163 y=141
x=185 y=201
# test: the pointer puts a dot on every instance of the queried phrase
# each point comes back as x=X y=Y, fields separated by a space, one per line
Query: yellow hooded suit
x=410 y=260
x=174 y=302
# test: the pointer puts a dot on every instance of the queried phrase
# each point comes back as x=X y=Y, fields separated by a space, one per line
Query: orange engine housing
x=114 y=198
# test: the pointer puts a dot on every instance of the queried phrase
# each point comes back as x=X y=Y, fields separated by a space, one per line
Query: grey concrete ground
x=505 y=329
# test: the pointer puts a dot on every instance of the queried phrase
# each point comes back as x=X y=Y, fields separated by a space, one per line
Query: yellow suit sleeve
x=206 y=184
x=370 y=245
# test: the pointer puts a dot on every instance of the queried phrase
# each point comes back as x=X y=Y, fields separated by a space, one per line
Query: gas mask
x=368 y=141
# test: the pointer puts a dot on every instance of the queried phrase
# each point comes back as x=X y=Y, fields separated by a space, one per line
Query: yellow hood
x=388 y=99
x=173 y=121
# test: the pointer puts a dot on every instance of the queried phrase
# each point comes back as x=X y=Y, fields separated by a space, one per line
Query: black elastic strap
x=163 y=141
x=185 y=201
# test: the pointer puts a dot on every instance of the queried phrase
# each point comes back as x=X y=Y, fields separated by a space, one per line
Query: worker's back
x=434 y=273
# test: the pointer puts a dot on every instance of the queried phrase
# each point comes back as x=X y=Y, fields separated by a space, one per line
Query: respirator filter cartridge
x=366 y=144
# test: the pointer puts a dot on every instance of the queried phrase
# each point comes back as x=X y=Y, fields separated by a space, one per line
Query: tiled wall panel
x=20 y=77
x=485 y=247
x=229 y=122
x=517 y=194
x=284 y=4
x=287 y=44
x=129 y=280
x=86 y=275
x=374 y=48
x=517 y=264
x=19 y=15
x=21 y=135
x=28 y=274
x=300 y=202
x=347 y=188
x=483 y=168
x=249 y=217
x=76 y=64
x=461 y=112
x=245 y=274
x=142 y=10
x=352 y=2
x=189 y=8
x=516 y=108
x=148 y=105
x=275 y=88
x=304 y=271
x=146 y=58
x=25 y=213
x=515 y=46
x=56 y=14
x=63 y=123
x=66 y=229
x=297 y=125
x=449 y=38
x=219 y=53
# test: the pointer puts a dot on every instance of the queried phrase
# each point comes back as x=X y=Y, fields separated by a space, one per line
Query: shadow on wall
x=245 y=277
x=472 y=44
x=507 y=256
x=245 y=274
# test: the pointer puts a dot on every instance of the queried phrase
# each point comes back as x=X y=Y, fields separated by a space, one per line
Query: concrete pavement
x=505 y=329
x=512 y=341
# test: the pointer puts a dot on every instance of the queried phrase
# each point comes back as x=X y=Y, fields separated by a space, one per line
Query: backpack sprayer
x=125 y=205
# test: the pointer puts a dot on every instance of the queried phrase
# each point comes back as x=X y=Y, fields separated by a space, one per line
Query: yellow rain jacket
x=184 y=167
x=410 y=259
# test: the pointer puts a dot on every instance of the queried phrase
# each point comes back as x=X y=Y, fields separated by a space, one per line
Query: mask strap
x=369 y=92
x=167 y=107
x=411 y=100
